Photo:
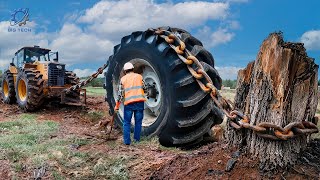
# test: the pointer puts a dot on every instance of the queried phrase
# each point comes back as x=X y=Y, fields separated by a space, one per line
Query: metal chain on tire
x=238 y=120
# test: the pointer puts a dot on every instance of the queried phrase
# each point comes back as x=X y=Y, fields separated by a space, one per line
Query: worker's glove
x=116 y=108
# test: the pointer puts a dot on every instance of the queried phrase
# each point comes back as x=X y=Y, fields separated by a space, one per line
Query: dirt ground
x=148 y=159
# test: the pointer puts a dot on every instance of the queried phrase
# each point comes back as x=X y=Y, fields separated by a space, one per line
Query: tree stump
x=279 y=87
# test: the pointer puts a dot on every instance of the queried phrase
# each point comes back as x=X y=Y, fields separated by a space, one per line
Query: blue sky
x=84 y=32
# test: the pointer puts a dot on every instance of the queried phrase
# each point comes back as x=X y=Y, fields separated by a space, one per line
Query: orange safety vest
x=133 y=90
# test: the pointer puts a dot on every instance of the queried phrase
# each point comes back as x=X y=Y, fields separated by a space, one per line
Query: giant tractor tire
x=176 y=109
x=8 y=92
x=29 y=89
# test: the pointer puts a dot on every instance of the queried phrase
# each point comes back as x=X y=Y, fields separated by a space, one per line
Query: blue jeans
x=137 y=109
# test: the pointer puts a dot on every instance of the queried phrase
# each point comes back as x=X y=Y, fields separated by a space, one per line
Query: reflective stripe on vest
x=132 y=84
x=134 y=87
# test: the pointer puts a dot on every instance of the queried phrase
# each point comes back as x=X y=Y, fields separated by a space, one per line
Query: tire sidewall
x=10 y=98
x=145 y=51
x=5 y=78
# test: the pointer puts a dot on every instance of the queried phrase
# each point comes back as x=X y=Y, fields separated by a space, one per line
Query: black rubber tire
x=71 y=78
x=11 y=98
x=185 y=116
x=34 y=86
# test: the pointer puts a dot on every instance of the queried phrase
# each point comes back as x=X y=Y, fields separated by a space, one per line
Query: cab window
x=19 y=59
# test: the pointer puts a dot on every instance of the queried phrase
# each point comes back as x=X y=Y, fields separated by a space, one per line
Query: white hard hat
x=128 y=66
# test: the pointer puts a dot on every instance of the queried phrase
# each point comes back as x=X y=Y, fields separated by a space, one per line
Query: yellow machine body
x=54 y=80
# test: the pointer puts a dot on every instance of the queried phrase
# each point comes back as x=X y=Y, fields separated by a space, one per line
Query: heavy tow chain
x=237 y=119
x=92 y=77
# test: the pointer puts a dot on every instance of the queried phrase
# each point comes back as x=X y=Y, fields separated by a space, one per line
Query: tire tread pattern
x=8 y=76
x=34 y=83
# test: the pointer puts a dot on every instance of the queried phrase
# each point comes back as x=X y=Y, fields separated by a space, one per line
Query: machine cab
x=30 y=55
x=41 y=59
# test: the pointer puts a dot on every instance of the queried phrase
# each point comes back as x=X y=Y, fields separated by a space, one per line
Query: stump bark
x=280 y=87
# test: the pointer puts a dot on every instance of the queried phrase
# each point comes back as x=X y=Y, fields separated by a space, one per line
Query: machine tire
x=186 y=113
x=8 y=92
x=72 y=79
x=29 y=90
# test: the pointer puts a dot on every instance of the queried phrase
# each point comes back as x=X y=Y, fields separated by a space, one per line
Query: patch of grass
x=13 y=155
x=316 y=136
x=228 y=93
x=57 y=176
x=18 y=167
x=95 y=91
x=114 y=168
x=23 y=137
x=80 y=142
x=95 y=116
x=112 y=144
x=39 y=160
x=26 y=142
x=154 y=142
x=150 y=141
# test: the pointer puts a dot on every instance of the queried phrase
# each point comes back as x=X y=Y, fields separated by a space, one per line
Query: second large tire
x=186 y=113
x=29 y=89
x=8 y=92
x=72 y=79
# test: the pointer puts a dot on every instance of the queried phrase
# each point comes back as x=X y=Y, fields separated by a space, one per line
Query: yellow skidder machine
x=35 y=76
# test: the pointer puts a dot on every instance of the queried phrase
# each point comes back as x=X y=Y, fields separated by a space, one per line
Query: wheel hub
x=22 y=90
x=5 y=88
x=153 y=93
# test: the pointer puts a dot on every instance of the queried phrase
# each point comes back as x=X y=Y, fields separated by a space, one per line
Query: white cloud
x=90 y=37
x=117 y=18
x=74 y=45
x=228 y=72
x=214 y=38
x=234 y=25
x=86 y=72
x=232 y=1
x=221 y=36
x=10 y=42
x=311 y=39
x=77 y=46
x=83 y=72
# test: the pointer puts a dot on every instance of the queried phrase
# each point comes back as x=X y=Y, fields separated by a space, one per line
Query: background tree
x=97 y=82
x=229 y=83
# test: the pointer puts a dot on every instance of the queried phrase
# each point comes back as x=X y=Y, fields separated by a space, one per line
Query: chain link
x=92 y=77
x=237 y=119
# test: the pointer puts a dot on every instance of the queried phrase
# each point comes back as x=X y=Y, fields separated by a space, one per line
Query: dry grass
x=317 y=114
x=228 y=93
x=29 y=144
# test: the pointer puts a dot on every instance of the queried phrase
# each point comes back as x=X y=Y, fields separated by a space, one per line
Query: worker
x=131 y=91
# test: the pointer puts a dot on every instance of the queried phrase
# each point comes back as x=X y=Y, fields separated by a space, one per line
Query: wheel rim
x=5 y=88
x=22 y=90
x=153 y=95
